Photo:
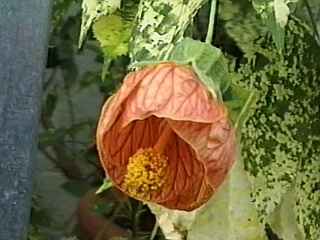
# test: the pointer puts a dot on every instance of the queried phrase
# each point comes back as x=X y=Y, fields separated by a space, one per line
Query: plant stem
x=314 y=25
x=211 y=21
x=154 y=230
x=244 y=109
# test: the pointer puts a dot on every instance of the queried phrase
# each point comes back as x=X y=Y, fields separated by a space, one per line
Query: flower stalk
x=210 y=31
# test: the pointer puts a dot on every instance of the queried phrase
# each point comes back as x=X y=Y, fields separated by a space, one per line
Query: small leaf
x=114 y=34
x=93 y=9
x=105 y=186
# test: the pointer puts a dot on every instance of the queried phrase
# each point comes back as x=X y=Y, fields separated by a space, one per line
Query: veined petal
x=186 y=187
x=114 y=106
x=174 y=92
x=214 y=145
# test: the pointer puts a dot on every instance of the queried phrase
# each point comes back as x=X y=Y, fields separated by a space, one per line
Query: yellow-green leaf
x=92 y=10
x=114 y=34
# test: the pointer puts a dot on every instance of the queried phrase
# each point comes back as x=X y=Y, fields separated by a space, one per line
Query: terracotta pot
x=92 y=223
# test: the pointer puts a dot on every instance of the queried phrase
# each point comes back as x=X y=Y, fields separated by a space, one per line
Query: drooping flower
x=164 y=138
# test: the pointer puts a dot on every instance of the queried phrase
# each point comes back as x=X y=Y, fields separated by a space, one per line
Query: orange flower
x=163 y=138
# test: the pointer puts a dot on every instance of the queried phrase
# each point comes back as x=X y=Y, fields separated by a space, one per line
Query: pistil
x=146 y=169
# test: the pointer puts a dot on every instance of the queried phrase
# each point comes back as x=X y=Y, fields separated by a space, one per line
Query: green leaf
x=92 y=10
x=230 y=214
x=105 y=186
x=114 y=34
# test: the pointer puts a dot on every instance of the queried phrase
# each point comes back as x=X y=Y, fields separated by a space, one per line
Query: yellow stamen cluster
x=145 y=173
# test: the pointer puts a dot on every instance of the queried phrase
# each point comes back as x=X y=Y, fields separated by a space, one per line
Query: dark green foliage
x=281 y=140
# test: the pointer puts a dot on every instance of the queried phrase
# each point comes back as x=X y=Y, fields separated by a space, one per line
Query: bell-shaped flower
x=164 y=138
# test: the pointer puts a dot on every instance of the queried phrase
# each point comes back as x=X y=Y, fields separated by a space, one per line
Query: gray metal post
x=23 y=48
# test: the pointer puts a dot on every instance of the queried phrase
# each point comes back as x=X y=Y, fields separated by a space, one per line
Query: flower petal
x=186 y=187
x=172 y=92
x=119 y=143
x=114 y=104
x=214 y=145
